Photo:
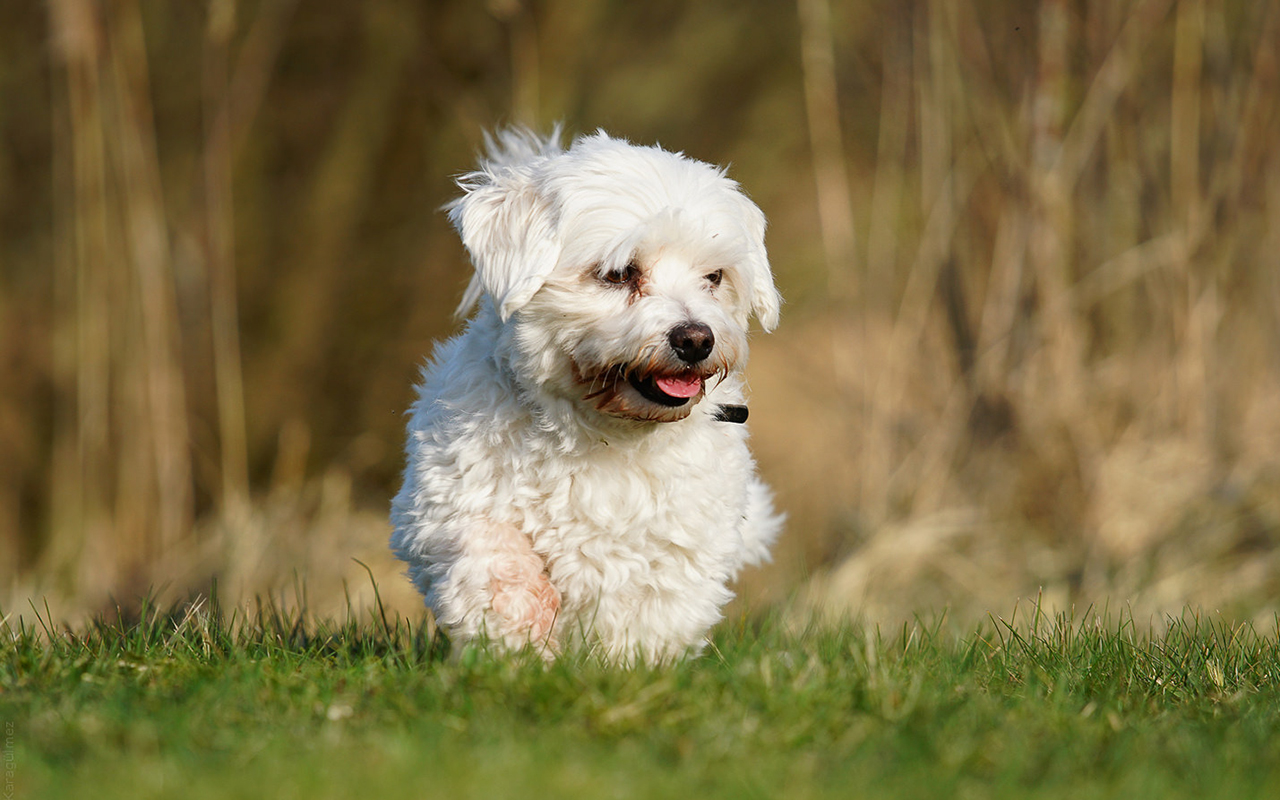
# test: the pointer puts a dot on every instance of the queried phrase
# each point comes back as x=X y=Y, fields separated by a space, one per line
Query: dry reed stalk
x=1051 y=214
x=845 y=284
x=946 y=181
x=127 y=492
x=158 y=424
x=890 y=167
x=232 y=97
x=1202 y=305
x=79 y=509
x=311 y=294
x=255 y=61
x=936 y=111
x=1112 y=77
x=826 y=143
x=882 y=256
x=1001 y=344
x=1258 y=107
x=1055 y=400
x=224 y=314
x=1184 y=131
x=879 y=454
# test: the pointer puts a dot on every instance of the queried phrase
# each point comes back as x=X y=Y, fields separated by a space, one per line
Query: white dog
x=575 y=471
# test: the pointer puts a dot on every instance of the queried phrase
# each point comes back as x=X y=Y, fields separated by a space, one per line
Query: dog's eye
x=714 y=278
x=628 y=274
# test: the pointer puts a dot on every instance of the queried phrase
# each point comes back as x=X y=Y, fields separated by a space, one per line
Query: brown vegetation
x=1031 y=254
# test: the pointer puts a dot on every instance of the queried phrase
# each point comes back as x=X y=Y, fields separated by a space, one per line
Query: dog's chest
x=619 y=519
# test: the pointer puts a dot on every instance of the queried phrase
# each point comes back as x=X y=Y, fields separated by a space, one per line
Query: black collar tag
x=736 y=414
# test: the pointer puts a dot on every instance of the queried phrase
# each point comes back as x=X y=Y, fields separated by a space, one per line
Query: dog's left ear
x=766 y=302
x=507 y=227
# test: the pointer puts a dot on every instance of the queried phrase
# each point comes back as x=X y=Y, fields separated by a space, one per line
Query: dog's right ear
x=765 y=300
x=509 y=230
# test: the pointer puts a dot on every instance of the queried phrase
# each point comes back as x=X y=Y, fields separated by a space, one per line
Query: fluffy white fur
x=560 y=490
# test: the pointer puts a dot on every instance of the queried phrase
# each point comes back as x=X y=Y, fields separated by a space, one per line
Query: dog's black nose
x=692 y=341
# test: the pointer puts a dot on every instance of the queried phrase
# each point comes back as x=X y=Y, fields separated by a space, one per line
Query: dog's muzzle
x=691 y=342
x=665 y=386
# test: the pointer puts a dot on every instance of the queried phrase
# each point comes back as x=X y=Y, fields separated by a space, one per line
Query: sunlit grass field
x=194 y=702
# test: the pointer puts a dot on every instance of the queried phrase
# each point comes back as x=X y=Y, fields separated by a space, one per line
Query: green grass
x=197 y=704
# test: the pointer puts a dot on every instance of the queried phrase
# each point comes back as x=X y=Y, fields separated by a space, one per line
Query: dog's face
x=625 y=275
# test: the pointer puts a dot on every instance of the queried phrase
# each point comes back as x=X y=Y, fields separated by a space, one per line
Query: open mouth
x=667 y=390
x=644 y=392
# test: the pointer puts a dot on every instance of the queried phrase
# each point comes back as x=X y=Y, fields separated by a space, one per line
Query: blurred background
x=1030 y=251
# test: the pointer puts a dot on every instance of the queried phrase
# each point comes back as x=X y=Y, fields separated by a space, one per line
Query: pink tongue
x=680 y=387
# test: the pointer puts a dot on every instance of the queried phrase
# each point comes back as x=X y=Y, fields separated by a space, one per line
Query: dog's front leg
x=497 y=589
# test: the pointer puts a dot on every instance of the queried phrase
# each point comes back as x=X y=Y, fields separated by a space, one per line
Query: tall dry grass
x=1031 y=252
x=1070 y=384
x=121 y=484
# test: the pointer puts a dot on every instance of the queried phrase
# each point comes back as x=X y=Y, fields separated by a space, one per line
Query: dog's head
x=625 y=275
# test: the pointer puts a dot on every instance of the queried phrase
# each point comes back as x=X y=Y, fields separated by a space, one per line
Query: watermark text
x=10 y=762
